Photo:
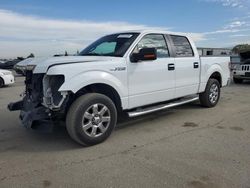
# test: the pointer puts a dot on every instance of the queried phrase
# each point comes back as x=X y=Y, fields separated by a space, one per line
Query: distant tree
x=31 y=55
x=241 y=48
x=66 y=53
x=77 y=52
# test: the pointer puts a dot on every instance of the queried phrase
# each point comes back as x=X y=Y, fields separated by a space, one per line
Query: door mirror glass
x=145 y=54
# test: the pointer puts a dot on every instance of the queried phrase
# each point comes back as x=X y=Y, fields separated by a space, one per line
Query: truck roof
x=145 y=31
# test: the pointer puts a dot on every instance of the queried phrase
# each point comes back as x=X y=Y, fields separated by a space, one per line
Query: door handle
x=196 y=65
x=171 y=67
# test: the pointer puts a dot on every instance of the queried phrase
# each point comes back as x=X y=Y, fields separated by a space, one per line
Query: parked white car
x=129 y=73
x=6 y=78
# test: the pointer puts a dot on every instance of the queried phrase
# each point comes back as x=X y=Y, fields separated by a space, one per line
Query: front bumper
x=37 y=118
x=9 y=79
x=34 y=115
x=241 y=74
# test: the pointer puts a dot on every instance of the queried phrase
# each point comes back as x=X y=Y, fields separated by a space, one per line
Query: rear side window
x=182 y=46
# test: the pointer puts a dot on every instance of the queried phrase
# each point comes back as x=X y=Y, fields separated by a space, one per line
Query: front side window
x=154 y=41
x=182 y=46
x=112 y=45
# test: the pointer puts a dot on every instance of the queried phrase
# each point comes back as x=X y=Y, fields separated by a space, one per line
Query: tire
x=91 y=119
x=211 y=96
x=238 y=80
x=1 y=82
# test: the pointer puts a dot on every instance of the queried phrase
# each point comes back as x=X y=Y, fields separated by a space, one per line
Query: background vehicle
x=6 y=78
x=130 y=73
x=242 y=70
x=9 y=64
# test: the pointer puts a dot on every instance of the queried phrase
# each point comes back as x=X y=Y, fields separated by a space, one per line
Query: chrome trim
x=162 y=107
x=214 y=93
x=96 y=120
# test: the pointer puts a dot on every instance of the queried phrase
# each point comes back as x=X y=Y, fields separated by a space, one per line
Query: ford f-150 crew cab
x=128 y=73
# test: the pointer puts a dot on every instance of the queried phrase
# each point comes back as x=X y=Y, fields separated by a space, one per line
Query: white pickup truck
x=129 y=73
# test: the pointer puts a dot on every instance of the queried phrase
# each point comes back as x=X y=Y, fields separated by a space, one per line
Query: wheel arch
x=104 y=89
x=216 y=75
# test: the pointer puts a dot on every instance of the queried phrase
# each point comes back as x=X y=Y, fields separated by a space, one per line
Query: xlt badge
x=118 y=69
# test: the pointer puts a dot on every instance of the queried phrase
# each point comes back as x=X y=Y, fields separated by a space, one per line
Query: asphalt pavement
x=187 y=146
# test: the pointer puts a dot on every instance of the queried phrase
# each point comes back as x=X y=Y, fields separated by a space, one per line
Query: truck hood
x=41 y=65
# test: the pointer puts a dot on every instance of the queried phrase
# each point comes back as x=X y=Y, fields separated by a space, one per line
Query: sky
x=48 y=27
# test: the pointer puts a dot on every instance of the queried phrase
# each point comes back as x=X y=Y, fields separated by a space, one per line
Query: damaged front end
x=42 y=103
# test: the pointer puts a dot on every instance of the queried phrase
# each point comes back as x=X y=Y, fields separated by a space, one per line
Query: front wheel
x=91 y=119
x=210 y=97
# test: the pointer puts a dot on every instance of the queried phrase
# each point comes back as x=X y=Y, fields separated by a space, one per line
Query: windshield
x=112 y=45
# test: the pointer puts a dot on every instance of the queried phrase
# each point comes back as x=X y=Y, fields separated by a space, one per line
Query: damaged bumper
x=37 y=118
x=42 y=104
x=33 y=114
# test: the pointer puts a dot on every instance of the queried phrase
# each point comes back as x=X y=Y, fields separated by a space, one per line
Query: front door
x=151 y=81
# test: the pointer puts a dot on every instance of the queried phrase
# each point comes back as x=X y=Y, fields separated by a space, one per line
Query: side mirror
x=145 y=54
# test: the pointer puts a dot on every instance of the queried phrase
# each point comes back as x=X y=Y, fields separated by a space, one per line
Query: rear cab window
x=182 y=46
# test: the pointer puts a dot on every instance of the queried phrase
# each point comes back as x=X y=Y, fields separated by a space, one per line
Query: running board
x=147 y=110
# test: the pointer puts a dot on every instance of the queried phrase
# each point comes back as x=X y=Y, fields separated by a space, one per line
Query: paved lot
x=188 y=146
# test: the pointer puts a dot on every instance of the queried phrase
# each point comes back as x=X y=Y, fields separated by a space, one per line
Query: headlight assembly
x=30 y=67
x=52 y=97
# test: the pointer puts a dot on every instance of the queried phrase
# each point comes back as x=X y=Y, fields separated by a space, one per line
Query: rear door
x=187 y=66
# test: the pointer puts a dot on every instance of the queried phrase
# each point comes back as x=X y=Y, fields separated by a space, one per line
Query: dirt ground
x=187 y=146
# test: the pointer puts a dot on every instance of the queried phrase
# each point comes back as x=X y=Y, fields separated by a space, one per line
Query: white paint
x=140 y=83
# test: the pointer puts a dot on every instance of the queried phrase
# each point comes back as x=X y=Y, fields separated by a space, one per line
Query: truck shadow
x=160 y=115
x=59 y=140
x=244 y=83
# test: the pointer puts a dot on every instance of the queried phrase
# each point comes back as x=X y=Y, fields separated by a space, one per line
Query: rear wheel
x=91 y=119
x=237 y=80
x=211 y=96
x=1 y=82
